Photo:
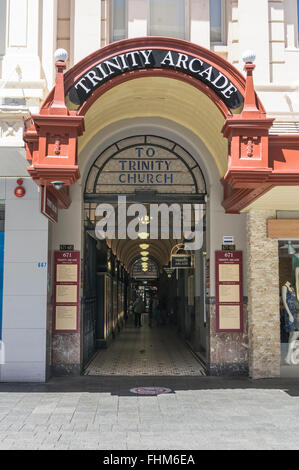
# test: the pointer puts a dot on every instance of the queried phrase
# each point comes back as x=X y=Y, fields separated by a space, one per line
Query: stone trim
x=60 y=370
x=212 y=300
x=228 y=369
x=263 y=297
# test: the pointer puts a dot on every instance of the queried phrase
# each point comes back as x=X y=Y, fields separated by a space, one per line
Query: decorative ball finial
x=61 y=55
x=249 y=57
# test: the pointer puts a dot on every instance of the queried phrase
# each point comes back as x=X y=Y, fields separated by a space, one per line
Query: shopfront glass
x=289 y=306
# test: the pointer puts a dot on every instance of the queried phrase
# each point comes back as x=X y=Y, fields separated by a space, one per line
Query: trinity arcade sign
x=156 y=58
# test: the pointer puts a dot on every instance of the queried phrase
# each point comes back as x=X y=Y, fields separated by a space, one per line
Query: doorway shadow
x=121 y=385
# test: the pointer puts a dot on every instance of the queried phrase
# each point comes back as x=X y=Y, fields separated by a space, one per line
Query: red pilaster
x=51 y=140
x=248 y=145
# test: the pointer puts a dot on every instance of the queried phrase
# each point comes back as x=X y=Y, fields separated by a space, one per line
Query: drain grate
x=150 y=390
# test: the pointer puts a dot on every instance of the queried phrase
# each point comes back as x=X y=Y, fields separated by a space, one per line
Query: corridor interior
x=168 y=343
x=144 y=199
x=150 y=351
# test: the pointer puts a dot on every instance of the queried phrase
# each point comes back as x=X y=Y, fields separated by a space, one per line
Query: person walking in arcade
x=138 y=310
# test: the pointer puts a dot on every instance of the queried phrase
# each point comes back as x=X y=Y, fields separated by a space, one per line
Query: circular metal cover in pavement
x=150 y=390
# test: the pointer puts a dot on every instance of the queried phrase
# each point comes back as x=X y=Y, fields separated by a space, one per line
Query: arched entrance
x=244 y=121
x=152 y=56
x=173 y=90
x=158 y=174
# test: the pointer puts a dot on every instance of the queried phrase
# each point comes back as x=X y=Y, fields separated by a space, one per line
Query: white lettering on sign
x=51 y=205
x=156 y=58
x=144 y=165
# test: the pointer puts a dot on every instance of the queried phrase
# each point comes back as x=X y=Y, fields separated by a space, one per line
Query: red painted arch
x=172 y=44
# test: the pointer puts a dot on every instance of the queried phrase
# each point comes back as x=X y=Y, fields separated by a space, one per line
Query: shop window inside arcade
x=289 y=306
x=3 y=8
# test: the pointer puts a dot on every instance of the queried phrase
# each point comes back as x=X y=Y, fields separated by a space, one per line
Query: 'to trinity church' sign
x=148 y=161
x=148 y=166
x=156 y=58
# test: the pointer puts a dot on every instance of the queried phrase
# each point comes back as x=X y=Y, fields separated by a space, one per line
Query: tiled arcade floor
x=146 y=351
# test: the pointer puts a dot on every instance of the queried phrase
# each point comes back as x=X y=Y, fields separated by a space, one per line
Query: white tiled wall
x=25 y=284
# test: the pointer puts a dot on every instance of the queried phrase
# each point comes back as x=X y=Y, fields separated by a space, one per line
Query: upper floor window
x=3 y=8
x=119 y=22
x=167 y=18
x=216 y=20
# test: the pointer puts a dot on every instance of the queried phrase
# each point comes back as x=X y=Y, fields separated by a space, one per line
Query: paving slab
x=95 y=412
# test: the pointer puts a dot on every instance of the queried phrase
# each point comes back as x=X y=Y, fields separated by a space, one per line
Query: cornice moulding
x=277 y=87
x=23 y=84
x=12 y=111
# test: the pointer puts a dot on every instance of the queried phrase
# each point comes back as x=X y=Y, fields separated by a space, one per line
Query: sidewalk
x=102 y=413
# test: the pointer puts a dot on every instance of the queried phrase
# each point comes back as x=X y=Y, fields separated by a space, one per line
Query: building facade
x=148 y=83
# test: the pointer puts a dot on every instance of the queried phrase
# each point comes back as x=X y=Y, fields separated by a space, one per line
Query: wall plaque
x=229 y=272
x=66 y=317
x=229 y=291
x=229 y=317
x=66 y=291
x=66 y=273
x=66 y=247
x=228 y=247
